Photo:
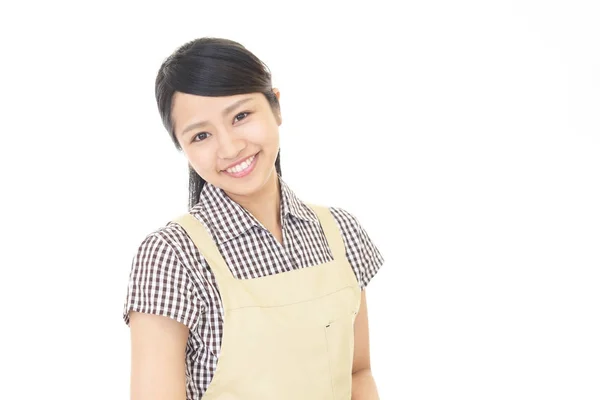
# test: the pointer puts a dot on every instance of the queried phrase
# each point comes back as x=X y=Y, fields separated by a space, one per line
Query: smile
x=242 y=169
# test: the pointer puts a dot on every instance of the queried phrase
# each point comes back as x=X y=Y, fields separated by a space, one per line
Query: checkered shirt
x=170 y=277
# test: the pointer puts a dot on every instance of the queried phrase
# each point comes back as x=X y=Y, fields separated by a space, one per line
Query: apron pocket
x=340 y=351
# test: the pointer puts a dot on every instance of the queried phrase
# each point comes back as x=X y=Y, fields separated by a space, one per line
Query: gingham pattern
x=170 y=277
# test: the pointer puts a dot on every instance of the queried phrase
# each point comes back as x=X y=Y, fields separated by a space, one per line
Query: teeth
x=240 y=167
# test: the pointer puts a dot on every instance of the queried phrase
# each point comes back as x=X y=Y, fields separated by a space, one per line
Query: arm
x=158 y=346
x=161 y=306
x=363 y=383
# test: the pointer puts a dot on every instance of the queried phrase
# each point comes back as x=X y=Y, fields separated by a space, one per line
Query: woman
x=253 y=294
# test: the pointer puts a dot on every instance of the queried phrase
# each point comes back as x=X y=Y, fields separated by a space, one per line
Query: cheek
x=202 y=159
x=264 y=134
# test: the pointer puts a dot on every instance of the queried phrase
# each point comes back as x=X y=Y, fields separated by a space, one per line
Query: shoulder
x=164 y=279
x=346 y=220
x=362 y=253
x=355 y=236
x=348 y=224
x=170 y=237
x=342 y=217
x=168 y=247
x=172 y=234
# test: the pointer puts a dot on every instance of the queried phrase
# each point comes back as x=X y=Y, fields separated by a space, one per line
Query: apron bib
x=285 y=336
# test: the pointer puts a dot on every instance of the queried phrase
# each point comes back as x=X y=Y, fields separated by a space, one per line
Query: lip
x=245 y=172
x=238 y=162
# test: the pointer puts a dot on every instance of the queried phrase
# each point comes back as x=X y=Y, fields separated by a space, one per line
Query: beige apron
x=288 y=336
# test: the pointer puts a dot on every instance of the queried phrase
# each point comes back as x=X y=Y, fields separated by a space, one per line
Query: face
x=230 y=141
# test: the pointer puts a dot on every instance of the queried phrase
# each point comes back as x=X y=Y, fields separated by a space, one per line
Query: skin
x=215 y=133
x=229 y=136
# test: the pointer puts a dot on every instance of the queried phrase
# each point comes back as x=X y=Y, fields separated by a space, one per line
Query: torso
x=250 y=251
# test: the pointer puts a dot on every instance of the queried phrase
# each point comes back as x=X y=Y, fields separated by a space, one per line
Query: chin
x=257 y=182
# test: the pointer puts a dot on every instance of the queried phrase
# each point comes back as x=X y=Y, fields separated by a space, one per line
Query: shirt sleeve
x=363 y=255
x=160 y=284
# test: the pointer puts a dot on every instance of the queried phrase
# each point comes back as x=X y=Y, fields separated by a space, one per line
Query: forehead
x=189 y=108
x=186 y=104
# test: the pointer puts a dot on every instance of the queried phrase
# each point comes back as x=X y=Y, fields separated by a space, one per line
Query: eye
x=200 y=137
x=241 y=116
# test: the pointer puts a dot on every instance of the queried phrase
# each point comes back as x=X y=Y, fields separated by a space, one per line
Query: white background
x=464 y=135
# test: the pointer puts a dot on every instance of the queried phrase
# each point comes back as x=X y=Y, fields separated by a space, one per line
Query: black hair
x=210 y=67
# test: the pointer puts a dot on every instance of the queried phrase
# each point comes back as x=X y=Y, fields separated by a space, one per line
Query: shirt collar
x=227 y=219
x=292 y=205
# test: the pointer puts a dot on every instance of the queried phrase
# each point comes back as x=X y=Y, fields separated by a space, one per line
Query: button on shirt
x=170 y=277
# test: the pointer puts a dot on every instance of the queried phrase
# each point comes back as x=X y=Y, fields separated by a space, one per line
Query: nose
x=230 y=146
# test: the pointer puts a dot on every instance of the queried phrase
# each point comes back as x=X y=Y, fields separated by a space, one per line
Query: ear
x=278 y=114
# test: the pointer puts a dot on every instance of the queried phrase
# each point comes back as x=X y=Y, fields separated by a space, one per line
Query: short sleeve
x=159 y=284
x=363 y=255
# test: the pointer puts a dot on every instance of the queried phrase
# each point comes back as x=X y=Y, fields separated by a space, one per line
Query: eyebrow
x=227 y=110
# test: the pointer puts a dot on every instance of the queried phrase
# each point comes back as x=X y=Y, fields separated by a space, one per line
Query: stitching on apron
x=291 y=304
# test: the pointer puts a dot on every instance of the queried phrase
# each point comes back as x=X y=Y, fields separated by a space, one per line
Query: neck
x=264 y=205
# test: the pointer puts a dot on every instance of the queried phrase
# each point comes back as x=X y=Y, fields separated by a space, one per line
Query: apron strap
x=205 y=243
x=332 y=232
x=209 y=250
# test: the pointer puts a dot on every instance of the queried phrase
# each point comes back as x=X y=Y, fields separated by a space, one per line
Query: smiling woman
x=252 y=294
x=235 y=146
x=207 y=70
